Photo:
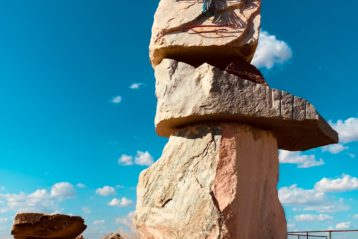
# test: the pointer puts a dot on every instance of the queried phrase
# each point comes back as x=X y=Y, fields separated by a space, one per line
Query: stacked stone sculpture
x=217 y=176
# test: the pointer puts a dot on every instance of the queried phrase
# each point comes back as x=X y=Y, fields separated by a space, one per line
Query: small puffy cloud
x=125 y=160
x=347 y=130
x=343 y=184
x=353 y=156
x=80 y=185
x=343 y=225
x=121 y=202
x=135 y=86
x=117 y=99
x=143 y=158
x=106 y=191
x=334 y=148
x=302 y=161
x=99 y=222
x=271 y=51
x=294 y=195
x=312 y=217
x=86 y=210
x=3 y=219
x=328 y=207
x=62 y=190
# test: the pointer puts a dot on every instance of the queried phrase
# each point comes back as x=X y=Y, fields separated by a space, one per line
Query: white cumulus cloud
x=80 y=185
x=86 y=210
x=302 y=161
x=312 y=217
x=328 y=207
x=343 y=225
x=135 y=86
x=117 y=99
x=125 y=160
x=121 y=202
x=294 y=195
x=334 y=148
x=342 y=184
x=62 y=190
x=143 y=158
x=347 y=130
x=106 y=191
x=271 y=51
x=99 y=222
x=40 y=200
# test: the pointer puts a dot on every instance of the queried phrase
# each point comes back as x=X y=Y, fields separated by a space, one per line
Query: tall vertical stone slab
x=212 y=181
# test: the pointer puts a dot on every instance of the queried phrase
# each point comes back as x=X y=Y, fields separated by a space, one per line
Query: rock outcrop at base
x=113 y=236
x=212 y=182
x=38 y=226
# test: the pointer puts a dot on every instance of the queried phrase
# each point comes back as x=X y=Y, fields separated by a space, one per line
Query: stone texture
x=181 y=30
x=113 y=236
x=38 y=225
x=188 y=95
x=212 y=182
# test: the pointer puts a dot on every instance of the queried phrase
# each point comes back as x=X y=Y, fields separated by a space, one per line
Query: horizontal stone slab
x=188 y=95
x=181 y=30
x=54 y=226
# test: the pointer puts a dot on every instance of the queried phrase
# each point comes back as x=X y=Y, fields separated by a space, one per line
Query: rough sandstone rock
x=38 y=225
x=212 y=183
x=181 y=31
x=113 y=236
x=188 y=95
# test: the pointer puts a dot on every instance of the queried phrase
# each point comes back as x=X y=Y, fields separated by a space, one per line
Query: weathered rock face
x=212 y=182
x=188 y=95
x=113 y=236
x=38 y=225
x=182 y=31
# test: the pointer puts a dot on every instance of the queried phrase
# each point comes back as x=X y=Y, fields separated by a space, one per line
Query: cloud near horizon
x=41 y=200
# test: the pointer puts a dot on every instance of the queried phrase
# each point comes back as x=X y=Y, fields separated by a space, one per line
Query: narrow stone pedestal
x=213 y=181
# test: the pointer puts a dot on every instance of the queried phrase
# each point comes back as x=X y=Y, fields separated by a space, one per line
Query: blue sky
x=77 y=107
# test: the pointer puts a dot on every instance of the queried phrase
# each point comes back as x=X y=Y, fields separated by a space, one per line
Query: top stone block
x=197 y=31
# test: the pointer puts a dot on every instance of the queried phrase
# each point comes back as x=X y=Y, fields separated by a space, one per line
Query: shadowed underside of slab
x=188 y=95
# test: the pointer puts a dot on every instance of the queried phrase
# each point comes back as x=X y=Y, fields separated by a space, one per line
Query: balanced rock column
x=217 y=176
x=213 y=181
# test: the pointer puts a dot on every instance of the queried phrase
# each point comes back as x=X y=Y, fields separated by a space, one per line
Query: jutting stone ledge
x=188 y=95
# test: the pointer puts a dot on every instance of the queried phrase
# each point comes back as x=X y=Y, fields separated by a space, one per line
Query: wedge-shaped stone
x=188 y=95
x=181 y=30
